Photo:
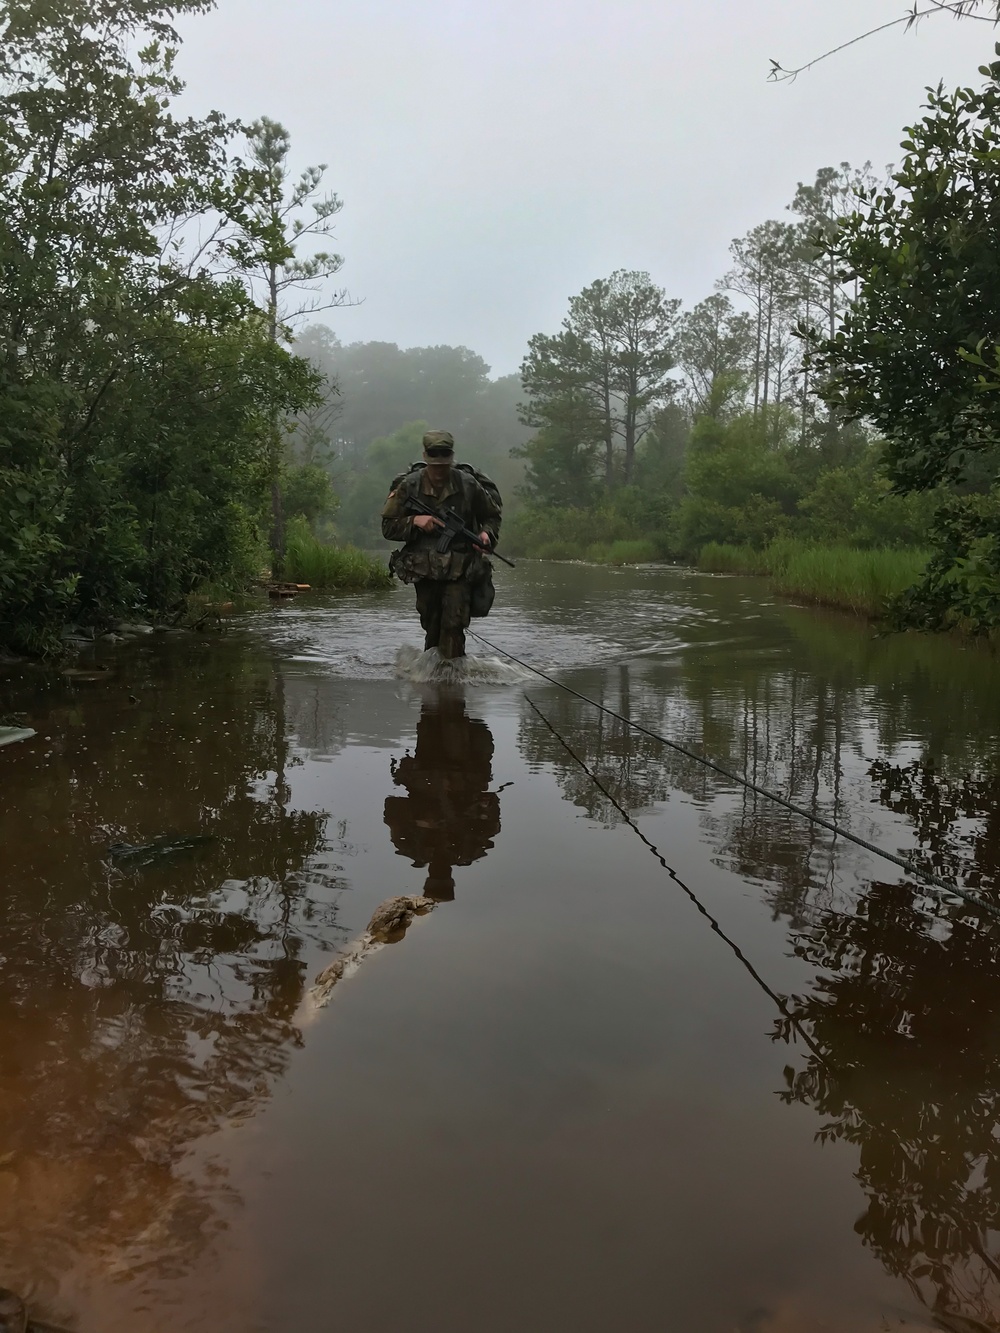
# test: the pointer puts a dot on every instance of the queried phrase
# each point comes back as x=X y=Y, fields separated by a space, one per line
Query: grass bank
x=345 y=568
x=860 y=581
x=628 y=551
x=602 y=535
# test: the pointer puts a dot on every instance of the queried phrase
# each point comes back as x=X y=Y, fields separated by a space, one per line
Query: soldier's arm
x=397 y=525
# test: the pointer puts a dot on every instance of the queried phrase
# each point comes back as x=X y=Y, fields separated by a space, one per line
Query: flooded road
x=733 y=1074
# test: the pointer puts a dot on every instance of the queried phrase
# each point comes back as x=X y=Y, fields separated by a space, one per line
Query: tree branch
x=957 y=8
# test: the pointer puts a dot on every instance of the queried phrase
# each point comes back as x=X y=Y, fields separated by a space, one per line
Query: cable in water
x=933 y=882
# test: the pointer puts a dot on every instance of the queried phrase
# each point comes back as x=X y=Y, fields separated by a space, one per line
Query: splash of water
x=431 y=667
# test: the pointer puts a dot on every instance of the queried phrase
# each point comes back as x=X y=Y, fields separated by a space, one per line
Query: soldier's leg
x=455 y=616
x=429 y=598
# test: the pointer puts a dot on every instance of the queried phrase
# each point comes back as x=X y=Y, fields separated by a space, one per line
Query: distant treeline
x=380 y=400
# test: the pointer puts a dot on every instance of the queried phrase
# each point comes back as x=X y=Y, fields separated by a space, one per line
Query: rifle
x=452 y=527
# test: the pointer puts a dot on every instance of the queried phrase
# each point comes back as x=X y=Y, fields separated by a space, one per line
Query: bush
x=960 y=587
x=308 y=560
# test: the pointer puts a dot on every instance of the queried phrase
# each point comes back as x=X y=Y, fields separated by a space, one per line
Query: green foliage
x=725 y=558
x=739 y=488
x=928 y=270
x=919 y=352
x=595 y=385
x=561 y=463
x=716 y=351
x=961 y=585
x=563 y=533
x=307 y=492
x=857 y=504
x=636 y=552
x=366 y=490
x=138 y=384
x=308 y=560
x=859 y=581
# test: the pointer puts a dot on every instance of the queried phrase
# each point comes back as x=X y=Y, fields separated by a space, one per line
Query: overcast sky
x=494 y=156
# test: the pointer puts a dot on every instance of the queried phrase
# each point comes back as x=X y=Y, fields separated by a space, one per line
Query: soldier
x=446 y=581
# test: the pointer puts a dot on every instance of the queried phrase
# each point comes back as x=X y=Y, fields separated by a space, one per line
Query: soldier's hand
x=484 y=537
x=426 y=522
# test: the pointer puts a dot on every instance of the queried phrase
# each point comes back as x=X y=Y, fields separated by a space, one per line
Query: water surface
x=732 y=1074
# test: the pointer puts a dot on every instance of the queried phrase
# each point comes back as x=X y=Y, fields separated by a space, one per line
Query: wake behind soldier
x=455 y=584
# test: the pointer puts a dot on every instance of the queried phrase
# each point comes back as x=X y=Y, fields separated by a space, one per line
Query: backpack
x=488 y=485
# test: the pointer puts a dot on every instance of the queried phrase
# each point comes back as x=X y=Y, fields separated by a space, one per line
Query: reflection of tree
x=902 y=1023
x=635 y=769
x=141 y=1009
x=956 y=820
x=907 y=1016
x=448 y=817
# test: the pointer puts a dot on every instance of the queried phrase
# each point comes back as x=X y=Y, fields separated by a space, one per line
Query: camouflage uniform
x=444 y=579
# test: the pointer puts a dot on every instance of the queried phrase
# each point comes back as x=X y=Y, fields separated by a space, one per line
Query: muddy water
x=748 y=1080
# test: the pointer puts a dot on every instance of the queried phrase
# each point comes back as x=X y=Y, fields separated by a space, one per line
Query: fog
x=494 y=157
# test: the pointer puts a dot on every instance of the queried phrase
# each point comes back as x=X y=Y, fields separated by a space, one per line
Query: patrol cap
x=439 y=444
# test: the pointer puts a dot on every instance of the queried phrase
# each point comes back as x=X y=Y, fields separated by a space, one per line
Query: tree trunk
x=275 y=461
x=756 y=361
x=767 y=349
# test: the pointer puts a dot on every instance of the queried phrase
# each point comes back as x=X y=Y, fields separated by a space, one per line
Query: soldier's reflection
x=448 y=817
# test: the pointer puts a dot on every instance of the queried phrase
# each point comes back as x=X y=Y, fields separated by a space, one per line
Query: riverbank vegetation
x=867 y=582
x=145 y=383
x=330 y=566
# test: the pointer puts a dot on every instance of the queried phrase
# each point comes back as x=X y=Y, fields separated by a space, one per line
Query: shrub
x=308 y=560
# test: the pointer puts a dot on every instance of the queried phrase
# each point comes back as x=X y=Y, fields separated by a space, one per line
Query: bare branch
x=959 y=9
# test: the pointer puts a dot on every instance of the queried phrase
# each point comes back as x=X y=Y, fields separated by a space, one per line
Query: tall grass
x=861 y=581
x=308 y=560
x=719 y=558
x=627 y=551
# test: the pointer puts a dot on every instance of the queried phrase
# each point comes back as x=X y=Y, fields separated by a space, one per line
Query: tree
x=271 y=256
x=715 y=349
x=137 y=379
x=917 y=352
x=763 y=275
x=928 y=275
x=562 y=457
x=608 y=368
x=822 y=207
